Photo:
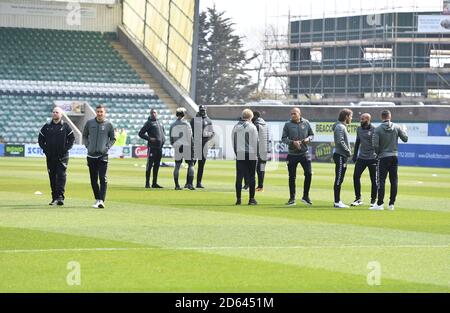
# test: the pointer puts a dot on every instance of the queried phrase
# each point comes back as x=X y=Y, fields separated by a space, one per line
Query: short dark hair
x=385 y=114
x=256 y=114
x=344 y=114
x=100 y=106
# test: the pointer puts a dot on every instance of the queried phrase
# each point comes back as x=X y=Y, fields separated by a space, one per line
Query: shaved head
x=366 y=116
x=296 y=115
x=57 y=114
x=365 y=119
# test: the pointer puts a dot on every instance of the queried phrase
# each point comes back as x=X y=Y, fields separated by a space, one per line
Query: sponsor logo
x=33 y=151
x=15 y=150
x=140 y=152
x=327 y=128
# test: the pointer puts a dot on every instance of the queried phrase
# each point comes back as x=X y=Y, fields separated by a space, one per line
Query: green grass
x=198 y=241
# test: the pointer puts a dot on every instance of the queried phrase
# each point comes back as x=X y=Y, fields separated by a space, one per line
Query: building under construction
x=401 y=57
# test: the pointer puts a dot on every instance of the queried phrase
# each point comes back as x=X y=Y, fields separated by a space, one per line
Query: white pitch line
x=219 y=248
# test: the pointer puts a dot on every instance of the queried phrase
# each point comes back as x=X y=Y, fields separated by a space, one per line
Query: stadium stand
x=39 y=66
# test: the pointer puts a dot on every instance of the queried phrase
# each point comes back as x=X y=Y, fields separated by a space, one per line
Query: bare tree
x=266 y=60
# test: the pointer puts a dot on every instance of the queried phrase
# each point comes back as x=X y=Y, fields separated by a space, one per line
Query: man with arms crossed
x=364 y=156
x=56 y=138
x=341 y=154
x=385 y=143
x=297 y=134
x=98 y=137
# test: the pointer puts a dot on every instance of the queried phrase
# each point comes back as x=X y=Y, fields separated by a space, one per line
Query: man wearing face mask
x=364 y=156
x=202 y=128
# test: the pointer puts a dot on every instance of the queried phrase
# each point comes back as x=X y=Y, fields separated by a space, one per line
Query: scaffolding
x=403 y=57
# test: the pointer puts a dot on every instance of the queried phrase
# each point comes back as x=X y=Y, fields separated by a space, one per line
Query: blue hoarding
x=424 y=155
x=439 y=129
x=2 y=149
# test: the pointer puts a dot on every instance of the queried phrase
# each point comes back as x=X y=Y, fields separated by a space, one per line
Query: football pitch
x=199 y=241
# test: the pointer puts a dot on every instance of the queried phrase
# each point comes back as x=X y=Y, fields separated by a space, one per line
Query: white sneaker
x=96 y=204
x=372 y=205
x=340 y=205
x=376 y=207
x=357 y=202
x=101 y=204
x=391 y=207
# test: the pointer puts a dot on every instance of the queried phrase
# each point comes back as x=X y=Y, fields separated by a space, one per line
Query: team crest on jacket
x=103 y=127
x=369 y=133
x=303 y=126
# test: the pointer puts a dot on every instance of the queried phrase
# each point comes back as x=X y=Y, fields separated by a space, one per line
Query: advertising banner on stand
x=13 y=150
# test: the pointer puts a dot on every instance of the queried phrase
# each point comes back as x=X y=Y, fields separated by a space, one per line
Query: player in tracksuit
x=297 y=134
x=181 y=141
x=245 y=144
x=202 y=128
x=98 y=137
x=365 y=157
x=341 y=154
x=56 y=138
x=385 y=143
x=263 y=147
x=153 y=133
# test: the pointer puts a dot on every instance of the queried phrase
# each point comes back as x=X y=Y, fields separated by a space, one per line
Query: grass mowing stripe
x=411 y=243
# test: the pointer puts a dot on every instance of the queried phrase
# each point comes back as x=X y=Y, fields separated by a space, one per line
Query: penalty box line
x=15 y=251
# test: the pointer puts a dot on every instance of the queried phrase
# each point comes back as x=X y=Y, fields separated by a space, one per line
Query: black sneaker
x=238 y=202
x=200 y=186
x=252 y=202
x=190 y=187
x=156 y=186
x=178 y=188
x=306 y=200
x=60 y=202
x=147 y=186
x=291 y=202
x=53 y=202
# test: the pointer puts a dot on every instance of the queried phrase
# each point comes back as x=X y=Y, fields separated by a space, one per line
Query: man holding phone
x=297 y=134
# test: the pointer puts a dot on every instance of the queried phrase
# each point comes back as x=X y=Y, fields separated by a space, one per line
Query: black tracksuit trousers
x=245 y=169
x=153 y=161
x=57 y=173
x=98 y=168
x=340 y=169
x=360 y=167
x=387 y=165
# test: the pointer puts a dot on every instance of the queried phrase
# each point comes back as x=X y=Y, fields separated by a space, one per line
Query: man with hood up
x=245 y=144
x=341 y=154
x=202 y=128
x=263 y=134
x=153 y=132
x=385 y=143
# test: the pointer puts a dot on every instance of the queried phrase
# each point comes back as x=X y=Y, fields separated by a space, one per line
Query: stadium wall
x=56 y=15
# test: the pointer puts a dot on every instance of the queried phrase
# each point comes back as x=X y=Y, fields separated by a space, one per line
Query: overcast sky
x=251 y=16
